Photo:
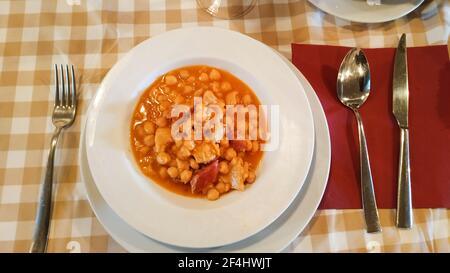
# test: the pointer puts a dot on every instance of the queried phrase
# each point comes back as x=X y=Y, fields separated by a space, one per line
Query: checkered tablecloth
x=93 y=35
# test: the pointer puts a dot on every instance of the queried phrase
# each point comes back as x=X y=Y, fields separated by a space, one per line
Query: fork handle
x=40 y=235
x=404 y=217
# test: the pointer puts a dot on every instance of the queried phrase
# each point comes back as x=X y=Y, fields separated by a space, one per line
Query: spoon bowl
x=353 y=82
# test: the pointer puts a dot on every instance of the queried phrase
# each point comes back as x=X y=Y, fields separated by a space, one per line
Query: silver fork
x=64 y=112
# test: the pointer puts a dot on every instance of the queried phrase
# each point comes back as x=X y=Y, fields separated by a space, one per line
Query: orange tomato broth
x=149 y=108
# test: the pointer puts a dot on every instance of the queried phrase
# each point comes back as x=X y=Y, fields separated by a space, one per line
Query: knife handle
x=367 y=190
x=404 y=217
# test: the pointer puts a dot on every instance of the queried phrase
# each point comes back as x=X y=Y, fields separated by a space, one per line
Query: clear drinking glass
x=227 y=9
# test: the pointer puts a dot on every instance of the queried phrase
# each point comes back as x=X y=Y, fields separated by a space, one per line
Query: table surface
x=93 y=35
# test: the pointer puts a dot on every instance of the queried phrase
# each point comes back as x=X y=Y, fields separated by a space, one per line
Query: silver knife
x=404 y=218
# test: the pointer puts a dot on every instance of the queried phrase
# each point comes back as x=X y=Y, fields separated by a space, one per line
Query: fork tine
x=74 y=89
x=68 y=94
x=63 y=87
x=57 y=101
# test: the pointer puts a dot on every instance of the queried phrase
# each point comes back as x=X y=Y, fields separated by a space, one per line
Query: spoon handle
x=367 y=191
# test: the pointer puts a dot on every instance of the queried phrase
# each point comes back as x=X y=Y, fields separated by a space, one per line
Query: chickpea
x=167 y=114
x=187 y=89
x=149 y=140
x=163 y=158
x=214 y=75
x=248 y=144
x=213 y=194
x=161 y=122
x=178 y=143
x=198 y=93
x=227 y=187
x=194 y=165
x=184 y=74
x=144 y=150
x=215 y=86
x=224 y=179
x=191 y=79
x=255 y=146
x=222 y=151
x=149 y=127
x=179 y=100
x=189 y=144
x=182 y=165
x=220 y=187
x=223 y=167
x=173 y=163
x=246 y=170
x=149 y=169
x=163 y=172
x=173 y=148
x=170 y=79
x=224 y=142
x=172 y=172
x=167 y=91
x=234 y=161
x=207 y=188
x=164 y=106
x=246 y=99
x=231 y=98
x=251 y=177
x=185 y=176
x=183 y=153
x=138 y=144
x=225 y=86
x=230 y=153
x=140 y=130
x=160 y=98
x=203 y=77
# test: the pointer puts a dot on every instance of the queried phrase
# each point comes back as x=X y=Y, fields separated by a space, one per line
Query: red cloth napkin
x=429 y=125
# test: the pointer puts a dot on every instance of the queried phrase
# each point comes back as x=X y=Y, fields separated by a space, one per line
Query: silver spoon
x=353 y=88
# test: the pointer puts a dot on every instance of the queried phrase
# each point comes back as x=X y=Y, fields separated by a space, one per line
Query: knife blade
x=404 y=216
x=400 y=84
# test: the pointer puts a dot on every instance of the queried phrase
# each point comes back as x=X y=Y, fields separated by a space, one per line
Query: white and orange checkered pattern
x=93 y=35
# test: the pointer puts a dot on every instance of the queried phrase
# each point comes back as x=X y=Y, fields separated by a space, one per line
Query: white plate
x=360 y=11
x=273 y=238
x=196 y=222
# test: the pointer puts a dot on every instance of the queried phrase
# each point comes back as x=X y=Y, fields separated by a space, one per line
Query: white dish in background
x=196 y=222
x=360 y=11
x=274 y=238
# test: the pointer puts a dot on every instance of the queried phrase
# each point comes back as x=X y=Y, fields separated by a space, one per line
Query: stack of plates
x=142 y=216
x=362 y=11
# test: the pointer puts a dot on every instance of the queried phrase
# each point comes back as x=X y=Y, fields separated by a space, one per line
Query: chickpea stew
x=207 y=167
